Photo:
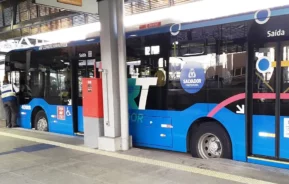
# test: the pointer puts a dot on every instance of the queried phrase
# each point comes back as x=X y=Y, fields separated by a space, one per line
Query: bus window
x=234 y=69
x=14 y=78
x=60 y=85
x=147 y=59
x=86 y=70
x=50 y=79
x=37 y=81
x=285 y=70
x=265 y=82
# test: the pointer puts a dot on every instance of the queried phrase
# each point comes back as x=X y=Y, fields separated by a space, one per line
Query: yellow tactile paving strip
x=193 y=170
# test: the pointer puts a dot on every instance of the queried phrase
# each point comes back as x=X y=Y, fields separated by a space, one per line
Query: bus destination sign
x=52 y=46
x=71 y=2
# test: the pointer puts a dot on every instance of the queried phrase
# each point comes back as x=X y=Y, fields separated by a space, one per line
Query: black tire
x=40 y=115
x=218 y=131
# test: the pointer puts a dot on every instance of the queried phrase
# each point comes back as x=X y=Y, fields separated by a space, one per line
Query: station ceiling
x=20 y=18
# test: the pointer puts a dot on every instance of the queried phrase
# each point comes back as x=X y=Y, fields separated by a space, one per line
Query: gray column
x=110 y=64
x=125 y=143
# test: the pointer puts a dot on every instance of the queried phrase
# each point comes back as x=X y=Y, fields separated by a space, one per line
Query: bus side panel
x=59 y=117
x=284 y=137
x=24 y=117
x=26 y=111
x=62 y=123
x=263 y=131
x=181 y=122
x=151 y=128
x=233 y=123
x=235 y=126
x=80 y=119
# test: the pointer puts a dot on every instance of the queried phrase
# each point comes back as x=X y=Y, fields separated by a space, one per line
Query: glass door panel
x=284 y=102
x=264 y=100
x=85 y=69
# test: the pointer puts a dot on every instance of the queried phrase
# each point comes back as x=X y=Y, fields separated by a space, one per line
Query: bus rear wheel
x=40 y=121
x=210 y=140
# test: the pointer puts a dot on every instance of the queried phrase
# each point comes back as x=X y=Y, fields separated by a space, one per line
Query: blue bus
x=217 y=88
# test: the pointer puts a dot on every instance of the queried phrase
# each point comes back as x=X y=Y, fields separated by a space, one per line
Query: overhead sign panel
x=87 y=6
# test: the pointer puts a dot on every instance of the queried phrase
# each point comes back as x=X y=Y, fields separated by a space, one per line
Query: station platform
x=32 y=157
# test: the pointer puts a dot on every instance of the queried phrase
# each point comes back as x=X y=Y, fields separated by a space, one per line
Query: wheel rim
x=210 y=146
x=42 y=124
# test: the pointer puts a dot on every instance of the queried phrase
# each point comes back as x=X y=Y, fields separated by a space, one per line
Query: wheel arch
x=200 y=121
x=33 y=114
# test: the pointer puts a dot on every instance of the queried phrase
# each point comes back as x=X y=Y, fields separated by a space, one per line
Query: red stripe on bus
x=242 y=96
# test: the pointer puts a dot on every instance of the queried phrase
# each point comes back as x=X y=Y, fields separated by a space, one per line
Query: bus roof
x=164 y=29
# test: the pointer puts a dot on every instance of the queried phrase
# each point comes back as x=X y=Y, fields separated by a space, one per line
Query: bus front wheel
x=40 y=121
x=210 y=140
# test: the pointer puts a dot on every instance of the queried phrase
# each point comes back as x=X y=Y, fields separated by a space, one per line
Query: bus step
x=260 y=159
x=79 y=133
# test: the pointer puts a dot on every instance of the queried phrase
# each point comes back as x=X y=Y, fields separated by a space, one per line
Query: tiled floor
x=27 y=162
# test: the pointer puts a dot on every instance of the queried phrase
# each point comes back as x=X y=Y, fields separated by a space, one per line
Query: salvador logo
x=192 y=73
x=192 y=77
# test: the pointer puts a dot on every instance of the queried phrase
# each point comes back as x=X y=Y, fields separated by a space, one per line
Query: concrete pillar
x=109 y=14
x=123 y=90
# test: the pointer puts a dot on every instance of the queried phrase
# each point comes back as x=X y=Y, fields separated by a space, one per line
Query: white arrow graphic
x=241 y=110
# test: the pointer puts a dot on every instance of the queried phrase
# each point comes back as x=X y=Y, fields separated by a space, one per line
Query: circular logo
x=262 y=16
x=175 y=29
x=263 y=65
x=192 y=77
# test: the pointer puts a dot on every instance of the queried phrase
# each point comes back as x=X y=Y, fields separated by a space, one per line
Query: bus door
x=268 y=102
x=54 y=76
x=84 y=69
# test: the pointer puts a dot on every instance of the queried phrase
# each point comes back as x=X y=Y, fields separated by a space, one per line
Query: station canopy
x=138 y=13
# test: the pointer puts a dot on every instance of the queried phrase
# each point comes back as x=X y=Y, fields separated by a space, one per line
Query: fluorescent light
x=69 y=34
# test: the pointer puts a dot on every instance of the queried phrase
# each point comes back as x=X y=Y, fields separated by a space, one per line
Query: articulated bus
x=218 y=88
